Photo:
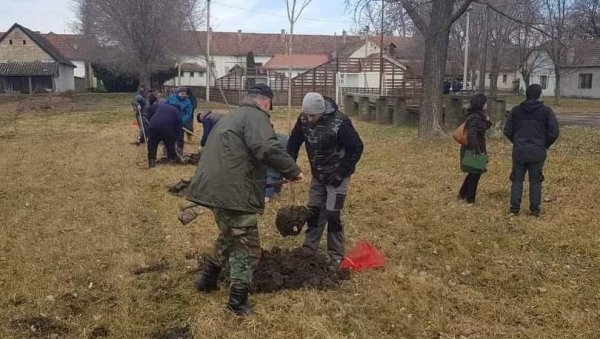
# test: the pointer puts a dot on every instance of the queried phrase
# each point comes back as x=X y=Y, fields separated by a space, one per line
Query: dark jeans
x=468 y=190
x=535 y=185
x=155 y=136
x=272 y=190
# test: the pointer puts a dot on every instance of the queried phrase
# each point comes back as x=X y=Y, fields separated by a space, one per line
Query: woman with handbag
x=473 y=156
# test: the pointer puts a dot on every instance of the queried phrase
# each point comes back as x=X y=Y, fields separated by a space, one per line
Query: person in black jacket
x=477 y=123
x=532 y=128
x=334 y=148
x=164 y=125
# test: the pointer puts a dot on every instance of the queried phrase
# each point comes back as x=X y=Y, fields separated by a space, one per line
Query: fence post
x=382 y=115
x=364 y=114
x=400 y=111
x=349 y=106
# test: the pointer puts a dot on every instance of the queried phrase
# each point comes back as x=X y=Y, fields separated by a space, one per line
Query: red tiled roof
x=223 y=43
x=73 y=46
x=583 y=53
x=279 y=61
x=191 y=67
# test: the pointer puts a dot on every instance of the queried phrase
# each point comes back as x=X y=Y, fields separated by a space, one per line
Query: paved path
x=579 y=119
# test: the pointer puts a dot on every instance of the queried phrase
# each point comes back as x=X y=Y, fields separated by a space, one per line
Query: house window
x=180 y=73
x=191 y=74
x=10 y=42
x=24 y=42
x=504 y=78
x=585 y=81
x=544 y=81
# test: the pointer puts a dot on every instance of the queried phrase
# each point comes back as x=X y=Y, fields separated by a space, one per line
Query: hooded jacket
x=332 y=144
x=532 y=128
x=186 y=108
x=231 y=173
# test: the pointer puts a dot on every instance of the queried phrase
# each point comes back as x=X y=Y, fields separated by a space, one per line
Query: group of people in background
x=167 y=121
x=532 y=128
x=452 y=86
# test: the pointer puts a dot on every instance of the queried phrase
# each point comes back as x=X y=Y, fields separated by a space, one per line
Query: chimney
x=344 y=36
x=283 y=35
x=239 y=36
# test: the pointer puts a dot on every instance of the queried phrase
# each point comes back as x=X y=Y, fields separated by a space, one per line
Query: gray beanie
x=313 y=104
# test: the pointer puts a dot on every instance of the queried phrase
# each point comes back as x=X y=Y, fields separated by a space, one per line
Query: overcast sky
x=262 y=16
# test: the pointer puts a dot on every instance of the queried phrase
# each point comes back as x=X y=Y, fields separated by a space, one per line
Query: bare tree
x=555 y=15
x=367 y=13
x=294 y=10
x=586 y=16
x=434 y=18
x=141 y=34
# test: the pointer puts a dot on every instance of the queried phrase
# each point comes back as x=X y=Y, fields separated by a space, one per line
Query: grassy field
x=562 y=106
x=80 y=210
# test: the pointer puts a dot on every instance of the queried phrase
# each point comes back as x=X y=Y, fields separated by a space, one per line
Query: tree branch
x=461 y=10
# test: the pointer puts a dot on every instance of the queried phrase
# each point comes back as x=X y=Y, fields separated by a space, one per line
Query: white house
x=29 y=63
x=580 y=72
x=190 y=74
x=77 y=48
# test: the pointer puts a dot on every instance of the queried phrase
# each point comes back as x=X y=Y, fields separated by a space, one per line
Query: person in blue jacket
x=181 y=99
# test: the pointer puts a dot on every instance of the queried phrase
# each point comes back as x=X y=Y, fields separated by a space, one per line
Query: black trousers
x=155 y=136
x=468 y=190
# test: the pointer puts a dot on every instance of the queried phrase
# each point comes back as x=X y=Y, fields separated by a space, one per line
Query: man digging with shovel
x=230 y=180
x=334 y=148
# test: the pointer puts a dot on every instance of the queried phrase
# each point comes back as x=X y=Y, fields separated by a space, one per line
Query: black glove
x=335 y=180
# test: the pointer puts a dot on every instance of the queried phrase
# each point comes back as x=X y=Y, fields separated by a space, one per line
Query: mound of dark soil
x=285 y=269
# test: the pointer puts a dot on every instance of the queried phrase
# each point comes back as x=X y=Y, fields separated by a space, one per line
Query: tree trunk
x=557 y=85
x=436 y=50
x=494 y=72
x=526 y=78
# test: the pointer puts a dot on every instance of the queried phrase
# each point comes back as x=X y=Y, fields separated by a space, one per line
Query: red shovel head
x=362 y=256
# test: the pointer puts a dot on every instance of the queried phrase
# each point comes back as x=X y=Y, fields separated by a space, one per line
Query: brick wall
x=29 y=51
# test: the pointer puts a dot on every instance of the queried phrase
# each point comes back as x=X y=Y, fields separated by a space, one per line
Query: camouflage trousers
x=238 y=243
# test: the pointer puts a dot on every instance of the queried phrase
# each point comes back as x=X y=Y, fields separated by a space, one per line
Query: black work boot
x=207 y=280
x=151 y=163
x=238 y=301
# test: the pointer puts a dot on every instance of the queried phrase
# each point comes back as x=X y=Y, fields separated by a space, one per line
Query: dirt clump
x=291 y=219
x=180 y=189
x=176 y=332
x=99 y=332
x=158 y=266
x=41 y=326
x=292 y=269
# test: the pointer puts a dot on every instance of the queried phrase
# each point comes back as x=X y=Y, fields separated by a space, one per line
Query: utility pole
x=483 y=66
x=208 y=67
x=466 y=49
x=381 y=49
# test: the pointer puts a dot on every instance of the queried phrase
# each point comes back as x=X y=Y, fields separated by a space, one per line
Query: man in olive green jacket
x=230 y=180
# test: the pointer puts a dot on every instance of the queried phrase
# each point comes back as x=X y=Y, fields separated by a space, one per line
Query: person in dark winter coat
x=447 y=86
x=180 y=98
x=477 y=123
x=334 y=148
x=194 y=102
x=532 y=128
x=208 y=119
x=140 y=105
x=230 y=180
x=164 y=125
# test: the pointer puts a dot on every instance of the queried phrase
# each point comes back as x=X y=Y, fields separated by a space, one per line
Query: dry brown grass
x=80 y=211
x=562 y=106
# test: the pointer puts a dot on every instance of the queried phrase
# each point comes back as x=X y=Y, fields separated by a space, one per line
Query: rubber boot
x=238 y=301
x=151 y=163
x=207 y=280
